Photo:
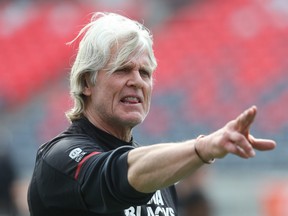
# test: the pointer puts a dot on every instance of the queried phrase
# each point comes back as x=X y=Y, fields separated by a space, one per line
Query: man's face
x=121 y=100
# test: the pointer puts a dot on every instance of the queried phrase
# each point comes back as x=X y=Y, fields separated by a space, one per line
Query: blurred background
x=216 y=58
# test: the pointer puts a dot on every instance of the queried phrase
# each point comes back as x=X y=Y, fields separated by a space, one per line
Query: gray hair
x=107 y=37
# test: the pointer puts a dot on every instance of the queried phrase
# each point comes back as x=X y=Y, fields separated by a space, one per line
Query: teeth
x=130 y=100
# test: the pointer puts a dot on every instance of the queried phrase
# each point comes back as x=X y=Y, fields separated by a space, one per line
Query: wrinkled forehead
x=122 y=56
x=140 y=60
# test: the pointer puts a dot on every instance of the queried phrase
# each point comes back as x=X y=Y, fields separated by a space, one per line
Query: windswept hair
x=106 y=44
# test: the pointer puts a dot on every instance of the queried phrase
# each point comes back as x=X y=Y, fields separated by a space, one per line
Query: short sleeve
x=104 y=182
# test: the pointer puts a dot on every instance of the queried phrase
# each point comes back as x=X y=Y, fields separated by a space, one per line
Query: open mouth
x=131 y=100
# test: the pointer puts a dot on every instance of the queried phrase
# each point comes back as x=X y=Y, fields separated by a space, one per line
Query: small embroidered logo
x=77 y=154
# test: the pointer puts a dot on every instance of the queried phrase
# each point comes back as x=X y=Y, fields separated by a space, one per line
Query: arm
x=157 y=166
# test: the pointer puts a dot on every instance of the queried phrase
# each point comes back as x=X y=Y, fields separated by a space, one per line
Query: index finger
x=245 y=119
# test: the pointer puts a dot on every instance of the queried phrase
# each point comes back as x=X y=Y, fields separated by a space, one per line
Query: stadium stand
x=212 y=58
x=215 y=59
x=34 y=44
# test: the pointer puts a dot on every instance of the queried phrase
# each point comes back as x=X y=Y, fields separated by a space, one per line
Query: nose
x=135 y=79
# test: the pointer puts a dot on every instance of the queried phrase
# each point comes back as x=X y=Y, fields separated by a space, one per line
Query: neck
x=121 y=133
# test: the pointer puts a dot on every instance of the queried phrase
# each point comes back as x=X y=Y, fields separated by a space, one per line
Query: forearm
x=157 y=166
x=153 y=167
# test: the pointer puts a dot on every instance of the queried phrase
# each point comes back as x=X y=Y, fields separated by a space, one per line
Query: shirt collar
x=96 y=133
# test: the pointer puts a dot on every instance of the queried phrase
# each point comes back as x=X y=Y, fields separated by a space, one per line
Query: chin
x=134 y=121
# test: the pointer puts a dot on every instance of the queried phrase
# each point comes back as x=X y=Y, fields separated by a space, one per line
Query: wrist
x=204 y=158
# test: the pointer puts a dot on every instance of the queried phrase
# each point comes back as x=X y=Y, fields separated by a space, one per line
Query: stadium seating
x=34 y=49
x=215 y=59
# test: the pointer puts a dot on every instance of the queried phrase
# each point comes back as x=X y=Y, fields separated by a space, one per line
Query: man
x=95 y=167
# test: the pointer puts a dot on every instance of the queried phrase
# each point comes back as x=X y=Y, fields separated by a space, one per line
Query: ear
x=87 y=85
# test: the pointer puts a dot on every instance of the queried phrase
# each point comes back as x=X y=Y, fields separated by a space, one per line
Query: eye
x=145 y=73
x=122 y=70
x=125 y=69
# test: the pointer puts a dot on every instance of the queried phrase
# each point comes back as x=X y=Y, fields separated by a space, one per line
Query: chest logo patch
x=77 y=154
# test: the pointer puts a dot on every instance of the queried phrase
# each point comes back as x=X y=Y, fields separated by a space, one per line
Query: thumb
x=262 y=144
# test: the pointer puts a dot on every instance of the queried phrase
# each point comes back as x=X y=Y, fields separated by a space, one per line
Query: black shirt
x=83 y=172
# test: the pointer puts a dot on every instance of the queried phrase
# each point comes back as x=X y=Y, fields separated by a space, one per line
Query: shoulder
x=65 y=143
x=67 y=150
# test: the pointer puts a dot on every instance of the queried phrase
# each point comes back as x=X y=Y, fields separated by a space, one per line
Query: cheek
x=101 y=97
x=148 y=96
x=150 y=89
